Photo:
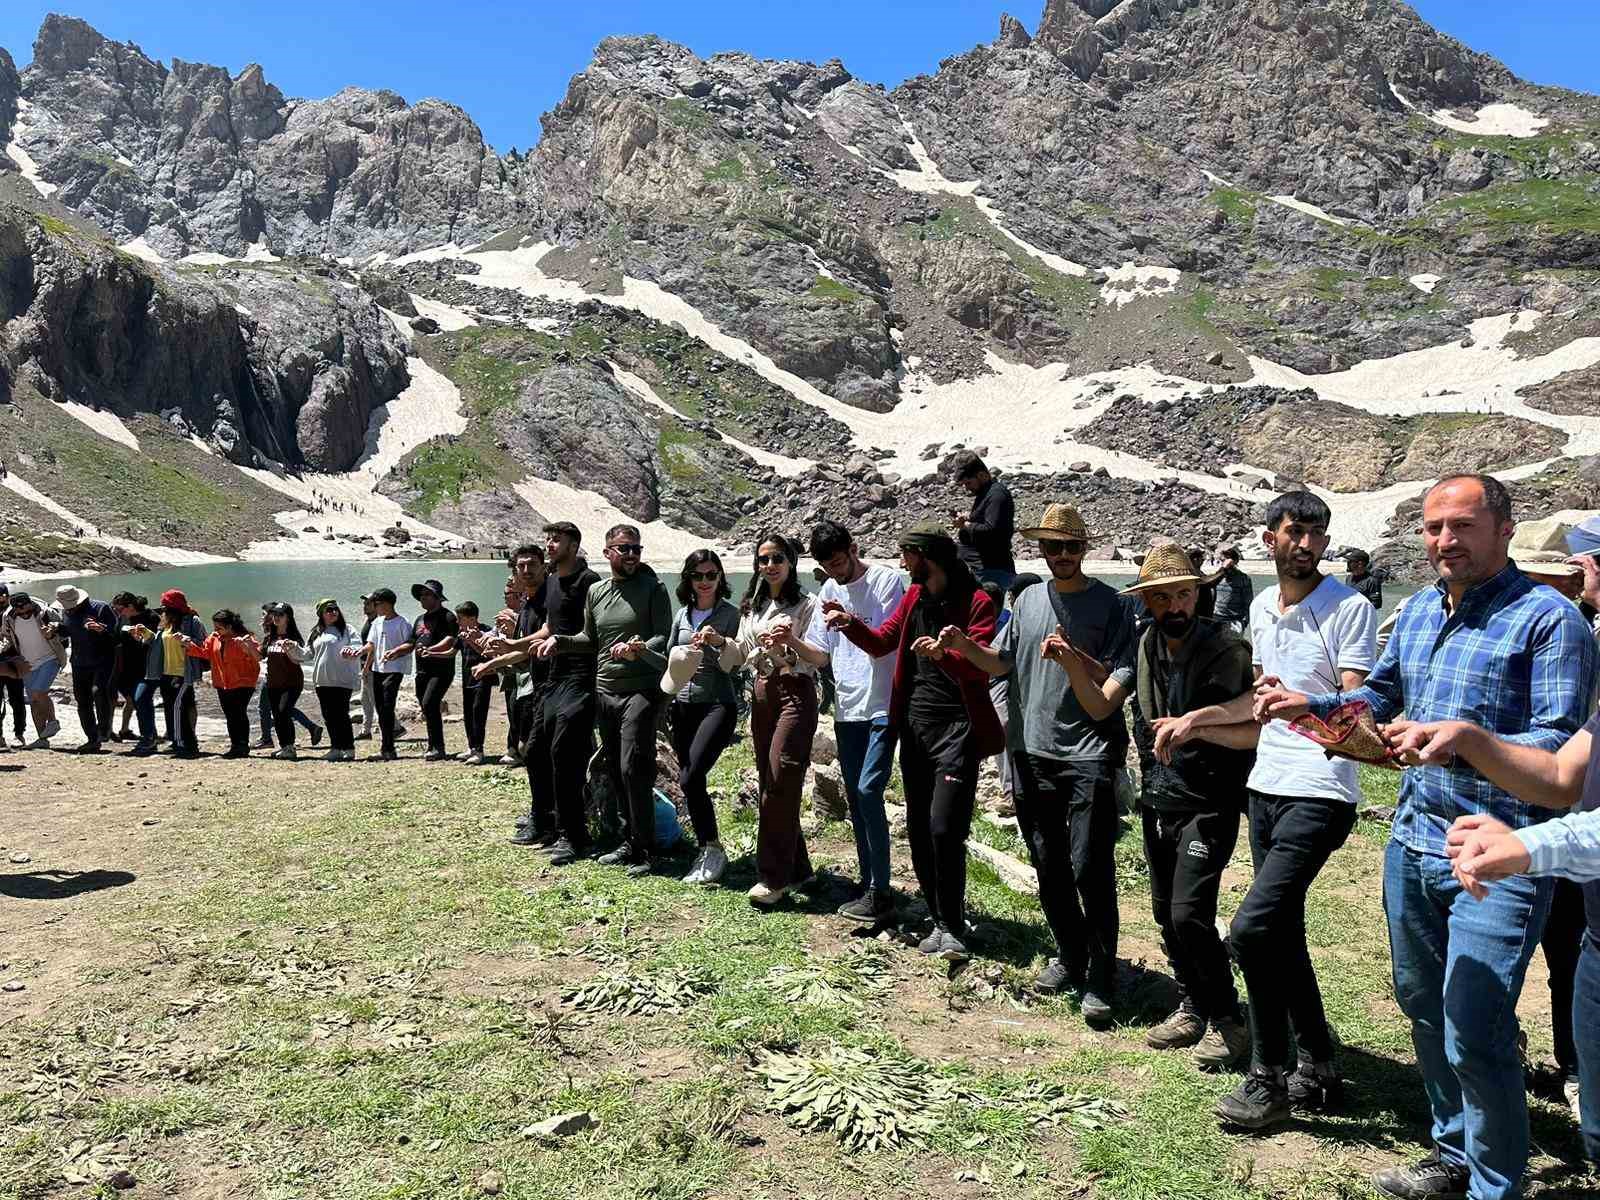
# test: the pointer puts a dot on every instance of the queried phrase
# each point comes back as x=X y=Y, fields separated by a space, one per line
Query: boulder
x=828 y=799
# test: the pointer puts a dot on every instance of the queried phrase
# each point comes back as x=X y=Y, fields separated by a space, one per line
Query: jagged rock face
x=192 y=158
x=10 y=88
x=270 y=360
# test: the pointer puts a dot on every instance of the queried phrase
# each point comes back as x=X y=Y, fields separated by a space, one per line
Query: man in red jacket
x=940 y=710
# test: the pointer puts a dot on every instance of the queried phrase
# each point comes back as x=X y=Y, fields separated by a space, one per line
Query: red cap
x=176 y=600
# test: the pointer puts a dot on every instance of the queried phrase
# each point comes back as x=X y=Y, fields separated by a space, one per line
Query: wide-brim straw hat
x=682 y=664
x=1061 y=522
x=1548 y=564
x=1167 y=564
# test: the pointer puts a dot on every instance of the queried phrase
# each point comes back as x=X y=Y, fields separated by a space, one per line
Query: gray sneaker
x=1181 y=1030
x=952 y=949
x=51 y=728
x=1096 y=1010
x=1225 y=1046
x=931 y=944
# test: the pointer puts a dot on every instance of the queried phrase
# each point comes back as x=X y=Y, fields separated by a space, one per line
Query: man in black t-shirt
x=1361 y=577
x=433 y=638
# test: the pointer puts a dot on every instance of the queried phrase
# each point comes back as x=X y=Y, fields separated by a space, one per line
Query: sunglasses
x=706 y=576
x=770 y=560
x=1056 y=546
x=630 y=549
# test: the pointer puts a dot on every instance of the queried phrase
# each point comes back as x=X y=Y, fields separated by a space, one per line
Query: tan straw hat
x=1166 y=564
x=1547 y=564
x=1060 y=522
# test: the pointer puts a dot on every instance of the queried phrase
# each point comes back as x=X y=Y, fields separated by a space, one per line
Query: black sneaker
x=621 y=856
x=316 y=735
x=546 y=838
x=563 y=853
x=1315 y=1087
x=1096 y=1009
x=88 y=748
x=523 y=838
x=1430 y=1179
x=639 y=868
x=871 y=906
x=1260 y=1102
x=1057 y=977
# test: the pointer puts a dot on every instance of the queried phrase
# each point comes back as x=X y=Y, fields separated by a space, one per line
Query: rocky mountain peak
x=1013 y=35
x=10 y=88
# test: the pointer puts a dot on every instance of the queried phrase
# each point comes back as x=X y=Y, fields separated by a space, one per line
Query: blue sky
x=507 y=62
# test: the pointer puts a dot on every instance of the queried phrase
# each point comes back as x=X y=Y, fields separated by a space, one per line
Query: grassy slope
x=362 y=999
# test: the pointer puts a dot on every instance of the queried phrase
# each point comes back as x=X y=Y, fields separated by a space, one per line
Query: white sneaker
x=766 y=897
x=1569 y=1089
x=510 y=760
x=697 y=869
x=51 y=728
x=474 y=759
x=713 y=862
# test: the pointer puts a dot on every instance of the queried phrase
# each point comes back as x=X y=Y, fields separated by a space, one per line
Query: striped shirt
x=1513 y=657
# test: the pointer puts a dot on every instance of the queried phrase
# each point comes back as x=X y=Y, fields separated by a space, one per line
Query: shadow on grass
x=60 y=885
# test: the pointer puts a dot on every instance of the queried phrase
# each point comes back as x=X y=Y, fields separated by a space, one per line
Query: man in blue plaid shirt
x=1493 y=648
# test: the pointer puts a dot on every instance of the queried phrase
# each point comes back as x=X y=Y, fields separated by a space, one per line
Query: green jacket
x=618 y=610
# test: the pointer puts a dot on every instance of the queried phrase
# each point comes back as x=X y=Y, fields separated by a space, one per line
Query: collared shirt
x=1512 y=657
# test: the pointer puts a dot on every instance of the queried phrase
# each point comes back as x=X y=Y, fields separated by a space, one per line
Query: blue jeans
x=866 y=755
x=145 y=696
x=1586 y=1032
x=1458 y=970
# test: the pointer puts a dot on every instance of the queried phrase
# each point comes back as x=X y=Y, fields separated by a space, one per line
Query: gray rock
x=560 y=1126
x=1467 y=172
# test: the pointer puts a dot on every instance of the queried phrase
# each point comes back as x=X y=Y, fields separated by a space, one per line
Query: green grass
x=360 y=999
x=729 y=170
x=1559 y=206
x=1236 y=204
x=686 y=113
x=831 y=289
x=443 y=473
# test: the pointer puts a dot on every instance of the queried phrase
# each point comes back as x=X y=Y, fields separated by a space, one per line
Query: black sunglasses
x=707 y=576
x=771 y=560
x=1055 y=546
x=627 y=548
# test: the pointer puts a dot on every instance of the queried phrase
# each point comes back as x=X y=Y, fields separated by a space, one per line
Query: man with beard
x=1191 y=801
x=1311 y=632
x=626 y=622
x=1065 y=735
x=1487 y=645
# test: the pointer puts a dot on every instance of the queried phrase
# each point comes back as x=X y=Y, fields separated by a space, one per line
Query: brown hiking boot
x=1225 y=1047
x=1181 y=1030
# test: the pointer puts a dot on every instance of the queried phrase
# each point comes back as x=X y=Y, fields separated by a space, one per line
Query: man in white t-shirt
x=1313 y=634
x=861 y=705
x=388 y=650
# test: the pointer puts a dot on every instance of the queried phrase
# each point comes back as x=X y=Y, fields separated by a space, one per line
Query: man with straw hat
x=1068 y=649
x=1191 y=800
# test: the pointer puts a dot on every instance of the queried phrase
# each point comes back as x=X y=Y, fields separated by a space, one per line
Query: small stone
x=1214 y=359
x=122 y=1179
x=562 y=1125
x=150 y=821
x=491 y=1183
x=12 y=985
x=19 y=857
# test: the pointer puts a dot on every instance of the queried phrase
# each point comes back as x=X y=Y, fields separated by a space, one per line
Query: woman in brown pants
x=783 y=715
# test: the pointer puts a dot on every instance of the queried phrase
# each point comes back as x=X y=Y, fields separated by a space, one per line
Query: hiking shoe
x=51 y=728
x=1260 y=1102
x=1096 y=1009
x=766 y=896
x=1057 y=977
x=1181 y=1030
x=616 y=858
x=287 y=754
x=931 y=944
x=1225 y=1047
x=1430 y=1179
x=563 y=853
x=871 y=906
x=952 y=949
x=316 y=735
x=1315 y=1087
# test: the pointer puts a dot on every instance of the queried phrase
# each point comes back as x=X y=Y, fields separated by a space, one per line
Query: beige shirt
x=746 y=649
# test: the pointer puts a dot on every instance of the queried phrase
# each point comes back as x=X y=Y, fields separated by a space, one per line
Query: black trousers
x=563 y=744
x=700 y=733
x=475 y=698
x=177 y=702
x=280 y=704
x=93 y=688
x=534 y=748
x=516 y=738
x=386 y=694
x=431 y=692
x=236 y=711
x=13 y=692
x=1291 y=838
x=628 y=747
x=1187 y=853
x=939 y=769
x=1068 y=815
x=1563 y=944
x=335 y=704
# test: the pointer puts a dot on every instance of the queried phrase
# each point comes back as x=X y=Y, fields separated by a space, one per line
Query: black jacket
x=985 y=542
